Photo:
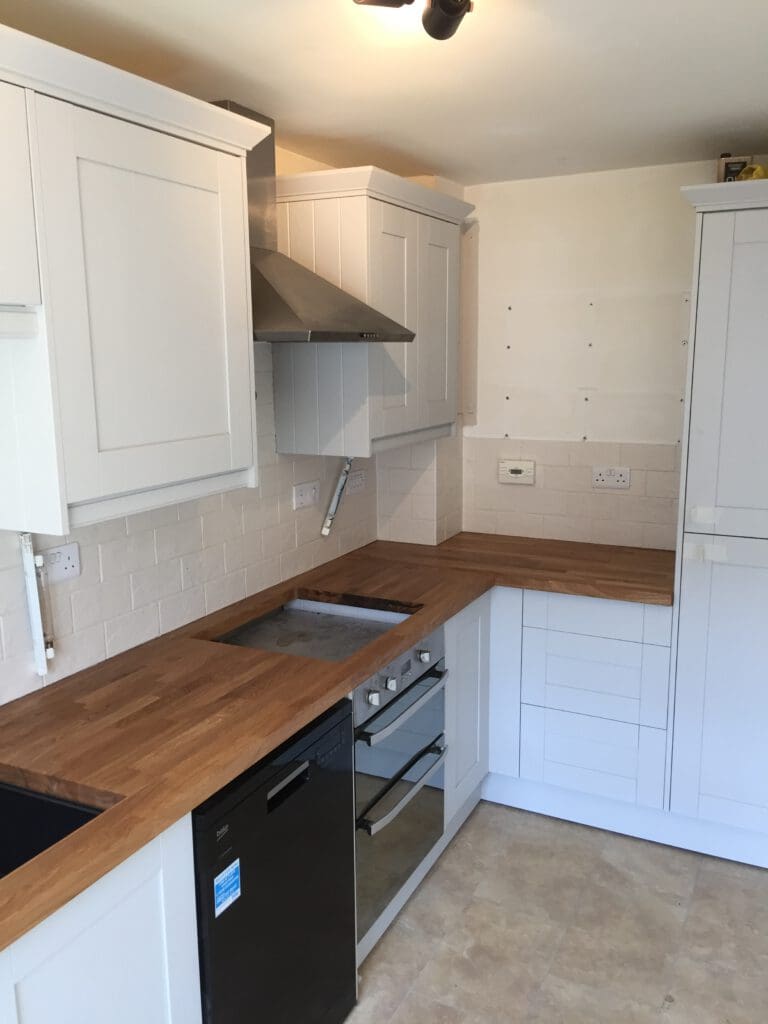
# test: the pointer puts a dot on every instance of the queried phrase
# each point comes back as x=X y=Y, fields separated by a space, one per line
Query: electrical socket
x=305 y=495
x=612 y=478
x=62 y=563
x=356 y=481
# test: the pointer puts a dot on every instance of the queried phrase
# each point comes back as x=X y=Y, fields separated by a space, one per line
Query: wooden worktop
x=153 y=732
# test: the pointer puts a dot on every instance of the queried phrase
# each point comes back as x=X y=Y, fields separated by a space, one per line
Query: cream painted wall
x=583 y=284
x=288 y=162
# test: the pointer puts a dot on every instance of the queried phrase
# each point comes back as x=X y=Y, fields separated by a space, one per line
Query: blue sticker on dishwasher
x=226 y=887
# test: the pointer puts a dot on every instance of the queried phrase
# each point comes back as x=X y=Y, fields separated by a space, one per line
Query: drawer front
x=592 y=755
x=595 y=616
x=614 y=679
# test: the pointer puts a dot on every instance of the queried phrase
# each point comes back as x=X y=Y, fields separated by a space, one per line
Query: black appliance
x=275 y=877
x=399 y=781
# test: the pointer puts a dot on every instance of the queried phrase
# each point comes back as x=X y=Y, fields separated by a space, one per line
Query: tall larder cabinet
x=720 y=755
x=395 y=245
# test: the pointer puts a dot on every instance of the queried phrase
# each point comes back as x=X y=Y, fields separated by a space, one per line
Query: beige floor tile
x=530 y=920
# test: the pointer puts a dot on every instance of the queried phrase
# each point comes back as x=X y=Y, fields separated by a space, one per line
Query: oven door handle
x=372 y=738
x=374 y=827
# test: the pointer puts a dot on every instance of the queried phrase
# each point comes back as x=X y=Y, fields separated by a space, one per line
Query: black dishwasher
x=275 y=876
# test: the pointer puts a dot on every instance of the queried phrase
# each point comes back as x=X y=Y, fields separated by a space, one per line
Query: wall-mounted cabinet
x=19 y=277
x=395 y=245
x=133 y=387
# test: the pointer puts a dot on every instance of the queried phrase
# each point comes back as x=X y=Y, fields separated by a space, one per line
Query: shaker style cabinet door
x=437 y=333
x=394 y=292
x=467 y=659
x=727 y=484
x=147 y=269
x=720 y=754
x=19 y=278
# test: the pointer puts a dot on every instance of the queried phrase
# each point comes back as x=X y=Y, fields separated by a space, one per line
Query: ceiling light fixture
x=440 y=19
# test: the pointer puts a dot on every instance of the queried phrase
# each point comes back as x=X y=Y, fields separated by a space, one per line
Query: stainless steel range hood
x=291 y=303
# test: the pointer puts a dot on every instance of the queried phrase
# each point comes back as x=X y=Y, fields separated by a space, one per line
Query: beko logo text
x=221 y=832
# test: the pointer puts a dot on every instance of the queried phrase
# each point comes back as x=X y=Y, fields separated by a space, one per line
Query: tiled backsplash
x=419 y=491
x=150 y=573
x=563 y=505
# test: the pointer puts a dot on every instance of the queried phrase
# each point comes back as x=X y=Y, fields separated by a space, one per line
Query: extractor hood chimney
x=291 y=303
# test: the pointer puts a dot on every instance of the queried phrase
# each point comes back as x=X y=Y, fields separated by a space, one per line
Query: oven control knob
x=424 y=656
x=391 y=684
x=374 y=698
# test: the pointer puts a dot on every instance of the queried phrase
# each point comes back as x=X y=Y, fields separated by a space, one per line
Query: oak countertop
x=151 y=733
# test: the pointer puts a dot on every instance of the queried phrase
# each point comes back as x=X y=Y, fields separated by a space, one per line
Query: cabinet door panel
x=467 y=638
x=437 y=336
x=149 y=303
x=394 y=285
x=727 y=488
x=720 y=757
x=19 y=279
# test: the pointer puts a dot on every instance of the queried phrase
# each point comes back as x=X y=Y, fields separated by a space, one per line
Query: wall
x=152 y=572
x=288 y=162
x=582 y=291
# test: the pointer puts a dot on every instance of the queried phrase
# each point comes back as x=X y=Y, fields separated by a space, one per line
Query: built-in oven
x=399 y=755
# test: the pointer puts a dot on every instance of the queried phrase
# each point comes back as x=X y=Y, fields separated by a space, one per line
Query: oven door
x=399 y=756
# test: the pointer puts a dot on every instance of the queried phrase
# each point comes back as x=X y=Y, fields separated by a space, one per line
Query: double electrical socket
x=62 y=563
x=612 y=478
x=305 y=495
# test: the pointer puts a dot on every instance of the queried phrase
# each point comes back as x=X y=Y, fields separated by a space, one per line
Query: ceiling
x=525 y=88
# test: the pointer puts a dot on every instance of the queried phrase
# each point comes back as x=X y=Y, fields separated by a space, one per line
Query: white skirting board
x=641 y=822
x=377 y=929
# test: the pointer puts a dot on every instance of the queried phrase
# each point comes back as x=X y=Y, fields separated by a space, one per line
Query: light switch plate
x=305 y=495
x=62 y=563
x=517 y=471
x=611 y=478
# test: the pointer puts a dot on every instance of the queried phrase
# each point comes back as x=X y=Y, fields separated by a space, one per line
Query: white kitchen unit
x=123 y=951
x=19 y=276
x=727 y=482
x=135 y=386
x=467 y=656
x=505 y=664
x=720 y=762
x=395 y=245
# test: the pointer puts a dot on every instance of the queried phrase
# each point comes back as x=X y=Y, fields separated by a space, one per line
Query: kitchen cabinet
x=126 y=372
x=395 y=245
x=467 y=658
x=19 y=277
x=720 y=764
x=727 y=486
x=505 y=659
x=125 y=950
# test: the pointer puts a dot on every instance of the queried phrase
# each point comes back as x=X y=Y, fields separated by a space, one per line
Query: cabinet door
x=437 y=333
x=19 y=280
x=123 y=951
x=720 y=755
x=727 y=486
x=147 y=277
x=394 y=289
x=467 y=641
x=505 y=659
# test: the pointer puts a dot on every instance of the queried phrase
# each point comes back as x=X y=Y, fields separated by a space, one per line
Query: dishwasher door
x=274 y=855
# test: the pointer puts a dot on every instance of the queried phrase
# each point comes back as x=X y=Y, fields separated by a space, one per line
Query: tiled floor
x=528 y=919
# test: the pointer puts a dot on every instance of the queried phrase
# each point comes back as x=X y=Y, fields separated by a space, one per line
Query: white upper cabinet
x=128 y=384
x=395 y=245
x=19 y=276
x=727 y=483
x=146 y=252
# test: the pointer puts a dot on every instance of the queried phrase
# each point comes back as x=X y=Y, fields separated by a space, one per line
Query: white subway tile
x=179 y=609
x=662 y=485
x=219 y=593
x=179 y=539
x=149 y=585
x=126 y=554
x=100 y=533
x=104 y=601
x=18 y=677
x=260 y=577
x=243 y=551
x=202 y=566
x=141 y=521
x=664 y=457
x=132 y=629
x=77 y=651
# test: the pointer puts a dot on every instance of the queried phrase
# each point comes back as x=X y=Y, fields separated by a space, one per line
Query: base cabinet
x=467 y=649
x=124 y=951
x=720 y=765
